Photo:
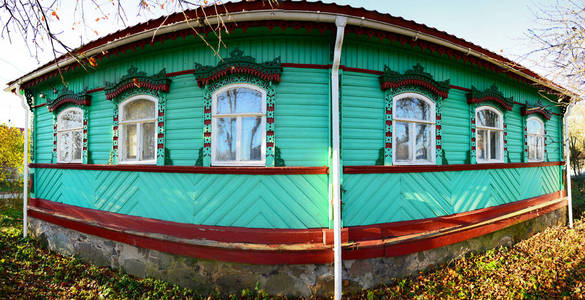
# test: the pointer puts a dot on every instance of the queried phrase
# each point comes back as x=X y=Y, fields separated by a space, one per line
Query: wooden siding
x=382 y=198
x=256 y=201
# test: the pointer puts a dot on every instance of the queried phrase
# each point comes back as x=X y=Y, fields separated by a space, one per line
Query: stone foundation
x=294 y=280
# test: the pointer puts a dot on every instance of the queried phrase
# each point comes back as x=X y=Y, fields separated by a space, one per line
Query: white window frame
x=239 y=116
x=499 y=129
x=121 y=131
x=528 y=134
x=411 y=129
x=59 y=131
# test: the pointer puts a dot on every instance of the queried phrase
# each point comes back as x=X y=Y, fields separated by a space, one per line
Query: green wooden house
x=328 y=143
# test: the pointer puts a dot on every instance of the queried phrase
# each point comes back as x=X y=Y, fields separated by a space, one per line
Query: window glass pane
x=481 y=144
x=139 y=109
x=252 y=138
x=77 y=144
x=423 y=140
x=488 y=118
x=70 y=119
x=225 y=145
x=64 y=140
x=495 y=145
x=540 y=149
x=130 y=142
x=239 y=100
x=148 y=143
x=412 y=108
x=534 y=126
x=530 y=142
x=402 y=137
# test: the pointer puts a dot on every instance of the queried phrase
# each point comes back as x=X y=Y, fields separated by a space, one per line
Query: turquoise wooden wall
x=256 y=201
x=302 y=122
x=380 y=198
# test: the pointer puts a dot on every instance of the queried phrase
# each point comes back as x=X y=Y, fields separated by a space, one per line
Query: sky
x=497 y=25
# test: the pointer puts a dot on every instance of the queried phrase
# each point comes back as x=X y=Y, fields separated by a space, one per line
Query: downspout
x=568 y=163
x=335 y=159
x=25 y=163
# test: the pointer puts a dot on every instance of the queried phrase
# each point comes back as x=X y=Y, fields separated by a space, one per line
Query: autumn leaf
x=92 y=61
x=54 y=13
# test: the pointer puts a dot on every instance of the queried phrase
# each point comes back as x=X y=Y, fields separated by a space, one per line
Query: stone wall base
x=204 y=276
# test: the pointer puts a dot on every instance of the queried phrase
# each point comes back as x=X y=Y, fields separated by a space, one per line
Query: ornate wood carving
x=138 y=80
x=238 y=64
x=414 y=77
x=491 y=94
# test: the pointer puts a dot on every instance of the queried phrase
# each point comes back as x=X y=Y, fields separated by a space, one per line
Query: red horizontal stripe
x=444 y=168
x=321 y=256
x=190 y=169
x=99 y=89
x=358 y=70
x=395 y=229
x=378 y=248
x=40 y=105
x=185 y=72
x=305 y=66
x=182 y=230
x=311 y=250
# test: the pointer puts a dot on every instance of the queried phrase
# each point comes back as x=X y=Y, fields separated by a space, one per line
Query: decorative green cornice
x=491 y=94
x=414 y=77
x=538 y=109
x=138 y=80
x=238 y=63
x=65 y=96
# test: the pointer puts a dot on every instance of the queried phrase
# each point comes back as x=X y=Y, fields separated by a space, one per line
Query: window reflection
x=413 y=129
x=239 y=127
x=489 y=135
x=70 y=136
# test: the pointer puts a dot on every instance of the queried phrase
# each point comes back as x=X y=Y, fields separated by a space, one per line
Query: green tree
x=11 y=152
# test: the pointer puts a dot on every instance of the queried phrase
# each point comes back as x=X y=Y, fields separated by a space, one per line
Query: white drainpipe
x=335 y=164
x=568 y=163
x=25 y=162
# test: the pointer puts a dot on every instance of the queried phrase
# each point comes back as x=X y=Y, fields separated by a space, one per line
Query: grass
x=550 y=264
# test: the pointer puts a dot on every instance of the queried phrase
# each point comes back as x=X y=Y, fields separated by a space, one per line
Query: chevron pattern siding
x=256 y=201
x=381 y=198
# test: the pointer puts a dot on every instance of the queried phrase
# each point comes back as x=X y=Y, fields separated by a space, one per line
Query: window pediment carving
x=414 y=77
x=238 y=64
x=135 y=79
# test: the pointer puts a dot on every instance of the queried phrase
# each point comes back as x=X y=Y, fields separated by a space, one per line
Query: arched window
x=413 y=129
x=535 y=139
x=489 y=135
x=70 y=135
x=238 y=126
x=137 y=125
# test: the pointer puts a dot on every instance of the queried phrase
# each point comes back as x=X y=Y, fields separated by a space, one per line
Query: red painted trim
x=179 y=73
x=305 y=66
x=319 y=256
x=181 y=230
x=443 y=168
x=460 y=88
x=99 y=89
x=265 y=246
x=190 y=169
x=382 y=248
x=358 y=70
x=395 y=229
x=40 y=105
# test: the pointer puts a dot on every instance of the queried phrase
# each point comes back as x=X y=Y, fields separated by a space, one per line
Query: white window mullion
x=411 y=142
x=138 y=141
x=238 y=139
